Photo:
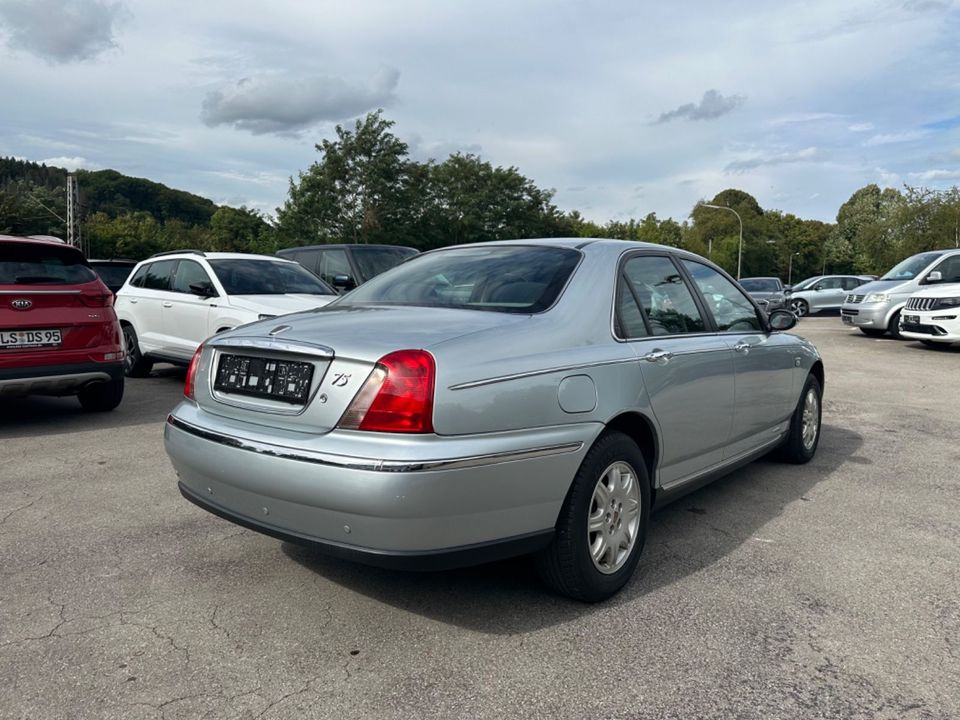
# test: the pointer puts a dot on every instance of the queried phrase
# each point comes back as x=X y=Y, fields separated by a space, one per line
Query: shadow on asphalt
x=145 y=400
x=693 y=533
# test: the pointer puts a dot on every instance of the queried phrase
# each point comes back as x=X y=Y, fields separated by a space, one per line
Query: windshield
x=912 y=266
x=267 y=277
x=806 y=283
x=372 y=261
x=760 y=284
x=517 y=279
x=35 y=264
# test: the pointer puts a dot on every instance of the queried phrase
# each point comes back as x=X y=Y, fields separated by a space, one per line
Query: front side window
x=189 y=272
x=508 y=279
x=267 y=277
x=158 y=275
x=732 y=310
x=911 y=267
x=950 y=269
x=663 y=295
x=333 y=263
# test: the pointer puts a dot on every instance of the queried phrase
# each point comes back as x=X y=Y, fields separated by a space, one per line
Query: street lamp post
x=790 y=269
x=740 y=249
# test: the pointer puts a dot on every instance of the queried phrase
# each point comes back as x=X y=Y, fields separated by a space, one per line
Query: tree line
x=365 y=187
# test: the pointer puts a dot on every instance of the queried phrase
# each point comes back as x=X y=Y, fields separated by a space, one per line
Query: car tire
x=101 y=396
x=595 y=550
x=894 y=327
x=135 y=365
x=802 y=439
x=873 y=333
x=800 y=307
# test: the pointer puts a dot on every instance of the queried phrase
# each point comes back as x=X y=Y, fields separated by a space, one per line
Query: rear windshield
x=35 y=264
x=267 y=277
x=502 y=279
x=911 y=267
x=760 y=284
x=372 y=261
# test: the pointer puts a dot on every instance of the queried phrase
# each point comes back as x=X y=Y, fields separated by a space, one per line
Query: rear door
x=687 y=369
x=186 y=316
x=765 y=362
x=148 y=305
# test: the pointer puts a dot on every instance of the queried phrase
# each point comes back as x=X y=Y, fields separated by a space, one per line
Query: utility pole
x=74 y=236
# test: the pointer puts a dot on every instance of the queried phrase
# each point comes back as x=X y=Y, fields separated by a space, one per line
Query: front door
x=687 y=370
x=186 y=315
x=765 y=363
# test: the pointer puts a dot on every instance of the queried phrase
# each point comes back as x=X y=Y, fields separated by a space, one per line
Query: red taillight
x=397 y=397
x=97 y=299
x=189 y=383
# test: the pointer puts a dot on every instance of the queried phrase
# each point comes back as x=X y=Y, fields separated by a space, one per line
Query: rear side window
x=138 y=276
x=36 y=264
x=664 y=297
x=333 y=263
x=851 y=283
x=158 y=275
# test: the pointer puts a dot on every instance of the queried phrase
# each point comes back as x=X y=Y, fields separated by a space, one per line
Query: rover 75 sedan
x=482 y=401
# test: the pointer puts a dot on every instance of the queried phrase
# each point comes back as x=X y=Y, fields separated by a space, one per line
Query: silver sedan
x=477 y=402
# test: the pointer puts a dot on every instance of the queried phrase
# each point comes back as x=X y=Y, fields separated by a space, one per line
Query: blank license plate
x=283 y=380
x=911 y=319
x=30 y=338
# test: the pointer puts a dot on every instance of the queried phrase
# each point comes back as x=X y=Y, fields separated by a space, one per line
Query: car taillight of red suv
x=59 y=334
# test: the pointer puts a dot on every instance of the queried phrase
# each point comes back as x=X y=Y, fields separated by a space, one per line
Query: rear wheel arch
x=640 y=429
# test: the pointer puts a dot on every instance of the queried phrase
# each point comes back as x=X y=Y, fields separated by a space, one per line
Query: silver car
x=823 y=292
x=769 y=292
x=482 y=401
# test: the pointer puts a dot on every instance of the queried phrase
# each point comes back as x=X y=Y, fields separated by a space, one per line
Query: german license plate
x=284 y=380
x=911 y=319
x=30 y=338
x=847 y=319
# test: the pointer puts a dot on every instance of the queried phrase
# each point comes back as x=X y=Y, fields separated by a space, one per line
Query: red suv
x=59 y=334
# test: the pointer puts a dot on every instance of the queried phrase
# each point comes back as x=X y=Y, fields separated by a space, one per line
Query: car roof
x=336 y=246
x=38 y=240
x=762 y=277
x=194 y=254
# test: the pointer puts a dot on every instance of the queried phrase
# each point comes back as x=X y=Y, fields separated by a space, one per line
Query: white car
x=174 y=301
x=933 y=316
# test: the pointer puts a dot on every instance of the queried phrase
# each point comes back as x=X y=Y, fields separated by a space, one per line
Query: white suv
x=174 y=301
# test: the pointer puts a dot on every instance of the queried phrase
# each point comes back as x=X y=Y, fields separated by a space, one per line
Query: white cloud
x=783 y=158
x=61 y=31
x=70 y=163
x=890 y=138
x=861 y=127
x=710 y=107
x=277 y=104
x=936 y=175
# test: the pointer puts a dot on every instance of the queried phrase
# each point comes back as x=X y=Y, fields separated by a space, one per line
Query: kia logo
x=21 y=304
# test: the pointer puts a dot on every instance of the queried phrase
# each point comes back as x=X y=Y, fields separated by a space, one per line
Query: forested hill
x=110 y=192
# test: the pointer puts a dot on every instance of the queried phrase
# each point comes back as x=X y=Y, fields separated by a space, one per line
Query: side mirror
x=787 y=289
x=204 y=289
x=934 y=277
x=344 y=282
x=781 y=320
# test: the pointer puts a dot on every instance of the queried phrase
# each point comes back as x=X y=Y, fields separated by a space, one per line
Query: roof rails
x=178 y=252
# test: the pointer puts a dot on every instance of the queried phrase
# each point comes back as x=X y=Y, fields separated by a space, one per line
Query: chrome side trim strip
x=535 y=373
x=298 y=347
x=28 y=290
x=371 y=464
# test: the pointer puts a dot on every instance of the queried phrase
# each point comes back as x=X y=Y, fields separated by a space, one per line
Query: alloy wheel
x=811 y=419
x=614 y=518
x=799 y=308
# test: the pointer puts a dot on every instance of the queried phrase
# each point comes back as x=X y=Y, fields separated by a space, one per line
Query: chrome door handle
x=742 y=347
x=168 y=304
x=661 y=357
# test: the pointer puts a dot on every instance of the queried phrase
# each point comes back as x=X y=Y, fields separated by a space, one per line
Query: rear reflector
x=397 y=397
x=189 y=385
x=97 y=299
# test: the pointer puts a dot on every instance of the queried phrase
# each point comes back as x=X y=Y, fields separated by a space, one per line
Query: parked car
x=58 y=331
x=932 y=316
x=344 y=267
x=468 y=405
x=173 y=301
x=875 y=308
x=114 y=273
x=769 y=292
x=823 y=292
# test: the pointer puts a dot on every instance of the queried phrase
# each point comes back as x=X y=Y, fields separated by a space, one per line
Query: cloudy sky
x=623 y=107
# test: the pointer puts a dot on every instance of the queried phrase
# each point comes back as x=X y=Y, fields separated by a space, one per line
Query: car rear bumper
x=387 y=503
x=56 y=379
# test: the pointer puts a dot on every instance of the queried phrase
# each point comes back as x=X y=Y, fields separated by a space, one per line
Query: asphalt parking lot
x=830 y=590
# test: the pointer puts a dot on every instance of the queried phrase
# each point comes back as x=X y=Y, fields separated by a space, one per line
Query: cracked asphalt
x=830 y=590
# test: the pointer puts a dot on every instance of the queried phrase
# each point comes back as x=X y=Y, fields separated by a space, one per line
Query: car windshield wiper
x=39 y=279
